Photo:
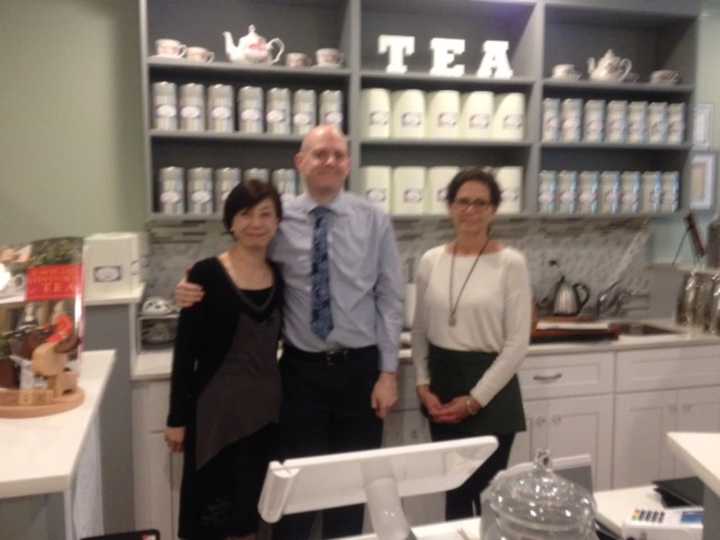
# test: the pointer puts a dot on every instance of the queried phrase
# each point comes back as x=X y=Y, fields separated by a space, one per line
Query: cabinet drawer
x=150 y=405
x=659 y=369
x=566 y=375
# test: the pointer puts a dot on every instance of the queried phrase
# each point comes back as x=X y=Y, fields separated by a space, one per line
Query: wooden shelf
x=225 y=137
x=615 y=146
x=264 y=72
x=595 y=87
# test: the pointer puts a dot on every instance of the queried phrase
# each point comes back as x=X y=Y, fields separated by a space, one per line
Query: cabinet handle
x=548 y=378
x=540 y=421
x=556 y=419
x=687 y=408
x=673 y=408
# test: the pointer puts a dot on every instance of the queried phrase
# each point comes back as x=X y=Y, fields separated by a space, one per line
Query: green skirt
x=455 y=373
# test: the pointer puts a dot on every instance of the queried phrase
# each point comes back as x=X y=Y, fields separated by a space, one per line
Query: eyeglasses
x=464 y=204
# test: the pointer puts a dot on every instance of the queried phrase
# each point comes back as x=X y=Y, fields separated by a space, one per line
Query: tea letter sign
x=444 y=51
x=495 y=61
x=398 y=46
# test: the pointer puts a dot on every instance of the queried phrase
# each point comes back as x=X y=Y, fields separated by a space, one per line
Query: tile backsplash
x=593 y=252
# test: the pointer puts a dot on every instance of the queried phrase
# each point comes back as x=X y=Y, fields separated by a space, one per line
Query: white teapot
x=252 y=48
x=609 y=67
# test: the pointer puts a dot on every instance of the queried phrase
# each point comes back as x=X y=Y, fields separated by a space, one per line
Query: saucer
x=167 y=58
x=569 y=78
x=327 y=66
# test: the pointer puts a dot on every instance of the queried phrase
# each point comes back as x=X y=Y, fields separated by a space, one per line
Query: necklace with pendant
x=452 y=317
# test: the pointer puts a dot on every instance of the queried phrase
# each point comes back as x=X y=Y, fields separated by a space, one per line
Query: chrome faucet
x=602 y=298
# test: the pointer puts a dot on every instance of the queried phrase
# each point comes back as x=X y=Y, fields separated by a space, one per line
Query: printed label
x=301 y=119
x=107 y=274
x=479 y=121
x=410 y=119
x=165 y=111
x=412 y=195
x=221 y=113
x=447 y=119
x=513 y=121
x=170 y=197
x=250 y=114
x=201 y=197
x=376 y=195
x=333 y=117
x=379 y=118
x=276 y=116
x=190 y=112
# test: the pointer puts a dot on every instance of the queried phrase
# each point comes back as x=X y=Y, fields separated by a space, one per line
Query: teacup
x=665 y=76
x=199 y=54
x=170 y=48
x=565 y=71
x=329 y=57
x=297 y=60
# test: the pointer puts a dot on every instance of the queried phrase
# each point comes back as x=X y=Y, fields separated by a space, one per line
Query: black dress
x=226 y=391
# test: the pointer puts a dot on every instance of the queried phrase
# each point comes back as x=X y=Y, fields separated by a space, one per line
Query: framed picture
x=702 y=180
x=702 y=125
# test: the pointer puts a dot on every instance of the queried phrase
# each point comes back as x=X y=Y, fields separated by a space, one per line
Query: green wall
x=70 y=119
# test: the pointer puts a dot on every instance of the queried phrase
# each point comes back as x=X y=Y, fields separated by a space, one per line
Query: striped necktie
x=321 y=321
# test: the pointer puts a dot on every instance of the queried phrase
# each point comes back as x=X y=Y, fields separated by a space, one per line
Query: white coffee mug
x=199 y=54
x=665 y=76
x=329 y=57
x=297 y=60
x=170 y=48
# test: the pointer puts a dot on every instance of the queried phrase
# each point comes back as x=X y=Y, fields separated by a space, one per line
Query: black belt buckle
x=337 y=356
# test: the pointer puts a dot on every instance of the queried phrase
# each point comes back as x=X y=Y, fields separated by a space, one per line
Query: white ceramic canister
x=594 y=121
x=551 y=120
x=331 y=108
x=256 y=173
x=171 y=191
x=250 y=109
x=547 y=192
x=476 y=115
x=375 y=113
x=221 y=108
x=408 y=114
x=438 y=179
x=670 y=196
x=408 y=190
x=676 y=123
x=443 y=114
x=164 y=97
x=651 y=191
x=609 y=192
x=570 y=119
x=509 y=117
x=285 y=181
x=658 y=122
x=376 y=182
x=616 y=121
x=588 y=199
x=277 y=117
x=510 y=180
x=304 y=111
x=192 y=107
x=637 y=122
x=226 y=179
x=567 y=192
x=630 y=192
x=199 y=191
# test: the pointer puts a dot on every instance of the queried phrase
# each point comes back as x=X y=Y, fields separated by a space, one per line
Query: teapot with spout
x=253 y=48
x=567 y=299
x=609 y=67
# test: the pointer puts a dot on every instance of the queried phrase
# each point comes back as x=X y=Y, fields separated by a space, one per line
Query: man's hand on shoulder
x=385 y=393
x=188 y=294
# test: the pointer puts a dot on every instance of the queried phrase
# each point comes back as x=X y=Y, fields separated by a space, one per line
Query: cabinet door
x=154 y=509
x=642 y=453
x=583 y=426
x=530 y=441
x=699 y=411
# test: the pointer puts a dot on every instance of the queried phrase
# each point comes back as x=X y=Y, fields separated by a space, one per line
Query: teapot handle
x=626 y=64
x=281 y=46
x=586 y=290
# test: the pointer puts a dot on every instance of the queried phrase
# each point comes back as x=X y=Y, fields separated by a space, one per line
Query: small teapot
x=609 y=67
x=567 y=300
x=252 y=48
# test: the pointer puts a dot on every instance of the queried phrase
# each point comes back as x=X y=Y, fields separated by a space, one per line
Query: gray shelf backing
x=425 y=81
x=444 y=143
x=237 y=71
x=451 y=155
x=606 y=146
x=635 y=91
x=609 y=161
x=261 y=138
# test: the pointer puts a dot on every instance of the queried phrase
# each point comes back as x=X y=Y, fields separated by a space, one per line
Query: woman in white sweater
x=470 y=333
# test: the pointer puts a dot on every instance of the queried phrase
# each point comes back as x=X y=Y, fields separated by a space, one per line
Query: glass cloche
x=537 y=504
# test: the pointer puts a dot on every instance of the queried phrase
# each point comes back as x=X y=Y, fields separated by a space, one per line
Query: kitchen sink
x=641 y=329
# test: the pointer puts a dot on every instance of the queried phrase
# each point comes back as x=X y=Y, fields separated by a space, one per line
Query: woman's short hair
x=484 y=175
x=248 y=194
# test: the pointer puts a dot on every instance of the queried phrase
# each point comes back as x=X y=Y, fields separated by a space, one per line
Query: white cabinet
x=642 y=420
x=564 y=375
x=568 y=427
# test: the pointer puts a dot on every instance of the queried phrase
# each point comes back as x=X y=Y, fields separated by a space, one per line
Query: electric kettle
x=567 y=299
x=522 y=503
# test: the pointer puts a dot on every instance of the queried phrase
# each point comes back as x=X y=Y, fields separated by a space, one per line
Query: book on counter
x=41 y=323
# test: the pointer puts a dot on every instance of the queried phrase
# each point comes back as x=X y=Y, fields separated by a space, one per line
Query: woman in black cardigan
x=225 y=388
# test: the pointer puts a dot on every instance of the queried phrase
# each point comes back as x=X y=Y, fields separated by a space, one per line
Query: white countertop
x=701 y=452
x=130 y=297
x=157 y=364
x=39 y=455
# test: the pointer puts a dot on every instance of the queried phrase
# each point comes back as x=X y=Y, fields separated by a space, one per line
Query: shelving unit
x=541 y=33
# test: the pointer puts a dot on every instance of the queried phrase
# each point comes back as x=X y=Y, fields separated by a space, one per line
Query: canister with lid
x=225 y=181
x=192 y=107
x=250 y=109
x=304 y=111
x=277 y=117
x=164 y=95
x=221 y=108
x=171 y=191
x=199 y=190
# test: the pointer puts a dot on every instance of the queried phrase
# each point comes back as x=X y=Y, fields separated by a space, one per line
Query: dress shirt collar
x=339 y=205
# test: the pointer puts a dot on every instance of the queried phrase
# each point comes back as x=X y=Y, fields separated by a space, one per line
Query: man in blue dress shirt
x=342 y=320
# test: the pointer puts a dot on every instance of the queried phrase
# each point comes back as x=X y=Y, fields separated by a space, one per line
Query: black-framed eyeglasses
x=464 y=204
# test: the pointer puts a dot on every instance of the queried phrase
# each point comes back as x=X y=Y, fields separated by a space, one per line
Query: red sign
x=54 y=282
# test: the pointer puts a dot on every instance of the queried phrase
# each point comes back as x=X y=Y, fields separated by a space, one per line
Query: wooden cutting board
x=574 y=334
